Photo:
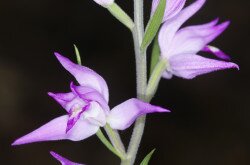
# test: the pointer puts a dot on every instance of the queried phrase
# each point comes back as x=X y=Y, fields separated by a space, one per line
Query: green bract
x=147 y=158
x=153 y=25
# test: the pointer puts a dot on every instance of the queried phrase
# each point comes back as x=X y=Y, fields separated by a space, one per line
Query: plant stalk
x=115 y=139
x=141 y=81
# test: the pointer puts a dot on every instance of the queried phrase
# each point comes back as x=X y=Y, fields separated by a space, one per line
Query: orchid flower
x=173 y=7
x=179 y=47
x=104 y=3
x=87 y=109
x=63 y=160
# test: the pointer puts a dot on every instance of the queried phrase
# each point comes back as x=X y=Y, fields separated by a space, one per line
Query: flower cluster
x=86 y=104
x=179 y=47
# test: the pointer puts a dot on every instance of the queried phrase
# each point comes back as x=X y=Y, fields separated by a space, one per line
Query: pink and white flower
x=179 y=47
x=87 y=109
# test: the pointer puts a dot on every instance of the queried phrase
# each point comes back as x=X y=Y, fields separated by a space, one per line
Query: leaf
x=78 y=56
x=154 y=24
x=155 y=55
x=147 y=158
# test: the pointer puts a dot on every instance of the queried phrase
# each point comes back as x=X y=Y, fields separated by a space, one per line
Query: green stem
x=115 y=139
x=141 y=81
x=103 y=139
x=155 y=78
x=140 y=123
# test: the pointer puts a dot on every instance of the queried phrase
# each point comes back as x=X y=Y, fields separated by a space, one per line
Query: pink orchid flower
x=179 y=47
x=87 y=109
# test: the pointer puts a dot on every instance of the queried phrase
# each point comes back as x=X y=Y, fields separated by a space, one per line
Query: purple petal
x=123 y=115
x=206 y=25
x=192 y=39
x=167 y=75
x=90 y=94
x=63 y=99
x=81 y=90
x=56 y=130
x=173 y=7
x=74 y=116
x=189 y=66
x=171 y=26
x=85 y=76
x=82 y=130
x=95 y=115
x=63 y=160
x=217 y=52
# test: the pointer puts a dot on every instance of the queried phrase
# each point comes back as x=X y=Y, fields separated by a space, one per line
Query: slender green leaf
x=78 y=56
x=155 y=55
x=119 y=14
x=147 y=158
x=154 y=24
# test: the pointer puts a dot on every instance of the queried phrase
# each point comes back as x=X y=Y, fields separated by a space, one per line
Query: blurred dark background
x=209 y=123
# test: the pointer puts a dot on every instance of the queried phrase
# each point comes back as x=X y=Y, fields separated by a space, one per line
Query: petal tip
x=223 y=26
x=18 y=142
x=217 y=19
x=14 y=143
x=57 y=54
x=163 y=110
x=53 y=153
x=236 y=66
x=232 y=65
x=60 y=57
x=226 y=23
x=51 y=94
x=26 y=139
x=200 y=2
